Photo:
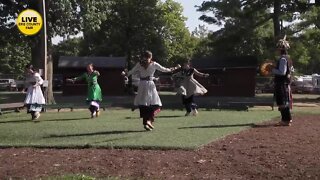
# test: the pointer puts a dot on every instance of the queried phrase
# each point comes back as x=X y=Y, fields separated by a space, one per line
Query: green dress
x=94 y=90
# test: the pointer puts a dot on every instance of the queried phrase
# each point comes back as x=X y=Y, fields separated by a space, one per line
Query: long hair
x=144 y=60
x=30 y=66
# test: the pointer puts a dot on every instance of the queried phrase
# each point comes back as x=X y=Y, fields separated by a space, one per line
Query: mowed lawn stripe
x=123 y=129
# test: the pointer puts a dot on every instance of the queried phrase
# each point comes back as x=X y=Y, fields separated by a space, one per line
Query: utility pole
x=44 y=46
x=44 y=38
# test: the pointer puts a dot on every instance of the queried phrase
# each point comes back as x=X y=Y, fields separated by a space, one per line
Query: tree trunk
x=276 y=19
x=50 y=97
x=36 y=53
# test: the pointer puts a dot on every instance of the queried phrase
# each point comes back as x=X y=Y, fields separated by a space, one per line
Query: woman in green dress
x=94 y=91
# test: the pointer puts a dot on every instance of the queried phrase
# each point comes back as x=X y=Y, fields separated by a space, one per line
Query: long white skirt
x=147 y=94
x=190 y=87
x=34 y=96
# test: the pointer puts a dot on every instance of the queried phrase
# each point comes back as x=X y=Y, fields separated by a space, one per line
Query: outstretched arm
x=133 y=70
x=76 y=78
x=164 y=69
x=177 y=73
x=196 y=72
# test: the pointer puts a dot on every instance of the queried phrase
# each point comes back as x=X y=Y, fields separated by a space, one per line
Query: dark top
x=187 y=72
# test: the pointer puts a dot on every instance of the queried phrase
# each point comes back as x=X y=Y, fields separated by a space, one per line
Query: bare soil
x=265 y=151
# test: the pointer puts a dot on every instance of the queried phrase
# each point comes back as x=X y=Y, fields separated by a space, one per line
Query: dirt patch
x=263 y=152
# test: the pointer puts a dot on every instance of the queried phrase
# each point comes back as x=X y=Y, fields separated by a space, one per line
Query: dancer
x=282 y=81
x=94 y=96
x=147 y=98
x=189 y=87
x=34 y=98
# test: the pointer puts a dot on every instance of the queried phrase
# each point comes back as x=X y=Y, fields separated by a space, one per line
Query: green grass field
x=123 y=129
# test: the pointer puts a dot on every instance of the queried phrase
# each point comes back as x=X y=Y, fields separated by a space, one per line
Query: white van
x=8 y=84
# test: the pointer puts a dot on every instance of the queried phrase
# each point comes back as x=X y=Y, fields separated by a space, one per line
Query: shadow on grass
x=30 y=121
x=16 y=121
x=174 y=116
x=252 y=125
x=132 y=118
x=70 y=119
x=268 y=125
x=160 y=117
x=220 y=126
x=112 y=140
x=93 y=134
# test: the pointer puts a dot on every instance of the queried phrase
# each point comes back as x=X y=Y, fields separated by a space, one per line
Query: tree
x=68 y=47
x=132 y=26
x=179 y=43
x=14 y=51
x=202 y=47
x=64 y=18
x=258 y=12
x=253 y=27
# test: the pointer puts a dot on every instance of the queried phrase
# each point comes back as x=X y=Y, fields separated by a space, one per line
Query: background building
x=111 y=81
x=229 y=76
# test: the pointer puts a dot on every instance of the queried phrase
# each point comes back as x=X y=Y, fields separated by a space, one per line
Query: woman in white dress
x=34 y=98
x=189 y=87
x=147 y=98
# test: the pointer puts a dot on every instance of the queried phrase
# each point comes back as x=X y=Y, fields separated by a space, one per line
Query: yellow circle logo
x=29 y=22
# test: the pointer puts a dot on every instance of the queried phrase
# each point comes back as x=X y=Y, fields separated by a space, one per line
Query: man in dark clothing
x=282 y=80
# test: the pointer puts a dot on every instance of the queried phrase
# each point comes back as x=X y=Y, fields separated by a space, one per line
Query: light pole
x=44 y=48
x=45 y=38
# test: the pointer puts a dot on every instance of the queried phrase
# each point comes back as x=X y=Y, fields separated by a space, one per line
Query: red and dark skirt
x=149 y=112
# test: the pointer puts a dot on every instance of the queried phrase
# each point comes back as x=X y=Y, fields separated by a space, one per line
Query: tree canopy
x=253 y=28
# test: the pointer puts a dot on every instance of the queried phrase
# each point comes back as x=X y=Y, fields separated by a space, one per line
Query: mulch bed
x=263 y=152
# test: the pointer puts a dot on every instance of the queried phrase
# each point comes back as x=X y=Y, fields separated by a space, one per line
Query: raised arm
x=196 y=72
x=96 y=72
x=133 y=70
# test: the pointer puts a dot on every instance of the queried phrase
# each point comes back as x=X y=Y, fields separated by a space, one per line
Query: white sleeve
x=38 y=79
x=161 y=68
x=282 y=67
x=134 y=69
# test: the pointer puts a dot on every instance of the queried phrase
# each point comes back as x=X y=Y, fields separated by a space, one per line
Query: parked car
x=57 y=81
x=302 y=88
x=8 y=84
x=264 y=85
x=21 y=85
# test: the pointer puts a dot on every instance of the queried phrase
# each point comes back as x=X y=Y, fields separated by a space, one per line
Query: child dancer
x=190 y=87
x=147 y=98
x=34 y=98
x=94 y=91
